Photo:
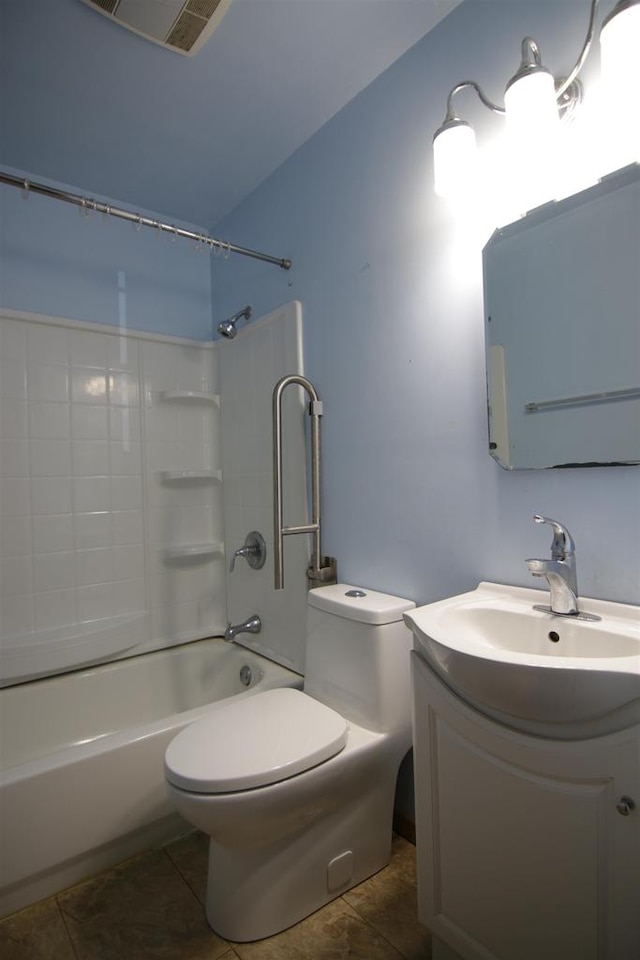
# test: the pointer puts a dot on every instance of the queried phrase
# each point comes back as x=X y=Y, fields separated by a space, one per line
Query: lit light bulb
x=531 y=106
x=533 y=126
x=619 y=42
x=619 y=45
x=454 y=158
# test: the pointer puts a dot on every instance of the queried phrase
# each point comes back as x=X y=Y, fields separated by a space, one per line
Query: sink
x=553 y=676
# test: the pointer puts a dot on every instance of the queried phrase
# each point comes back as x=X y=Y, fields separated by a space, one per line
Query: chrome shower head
x=228 y=329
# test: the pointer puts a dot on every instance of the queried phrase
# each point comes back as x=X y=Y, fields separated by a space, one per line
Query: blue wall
x=392 y=301
x=393 y=324
x=57 y=261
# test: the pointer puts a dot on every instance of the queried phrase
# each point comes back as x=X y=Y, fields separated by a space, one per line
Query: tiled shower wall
x=110 y=492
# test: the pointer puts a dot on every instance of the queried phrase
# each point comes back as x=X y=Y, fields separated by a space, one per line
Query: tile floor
x=150 y=908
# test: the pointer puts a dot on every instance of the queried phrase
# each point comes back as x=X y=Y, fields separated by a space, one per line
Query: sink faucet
x=252 y=625
x=559 y=571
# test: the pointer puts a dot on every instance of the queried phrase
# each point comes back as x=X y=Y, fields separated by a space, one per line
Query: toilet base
x=256 y=893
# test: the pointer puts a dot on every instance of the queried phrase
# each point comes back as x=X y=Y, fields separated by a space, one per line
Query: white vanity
x=527 y=760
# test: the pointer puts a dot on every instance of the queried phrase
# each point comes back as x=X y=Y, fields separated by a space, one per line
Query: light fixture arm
x=530 y=61
x=531 y=57
x=464 y=85
x=530 y=50
x=584 y=53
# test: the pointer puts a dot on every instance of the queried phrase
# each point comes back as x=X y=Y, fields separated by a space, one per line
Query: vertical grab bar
x=318 y=571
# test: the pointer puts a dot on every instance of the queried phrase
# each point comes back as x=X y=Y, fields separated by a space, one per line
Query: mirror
x=562 y=329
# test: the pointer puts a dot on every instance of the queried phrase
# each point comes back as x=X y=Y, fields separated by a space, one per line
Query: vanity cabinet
x=526 y=849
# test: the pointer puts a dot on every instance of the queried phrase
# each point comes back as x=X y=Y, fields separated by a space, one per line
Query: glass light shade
x=619 y=46
x=531 y=106
x=454 y=159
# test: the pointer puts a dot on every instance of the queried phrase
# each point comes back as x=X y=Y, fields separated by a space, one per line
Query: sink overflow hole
x=553 y=636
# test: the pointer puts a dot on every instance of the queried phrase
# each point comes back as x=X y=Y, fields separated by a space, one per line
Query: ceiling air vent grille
x=191 y=22
x=180 y=25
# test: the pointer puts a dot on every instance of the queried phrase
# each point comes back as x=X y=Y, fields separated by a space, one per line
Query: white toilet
x=296 y=789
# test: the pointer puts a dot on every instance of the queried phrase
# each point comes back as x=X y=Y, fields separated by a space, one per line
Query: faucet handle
x=562 y=545
x=242 y=552
x=254 y=551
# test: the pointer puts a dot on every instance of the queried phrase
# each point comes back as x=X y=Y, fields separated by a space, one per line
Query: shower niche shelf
x=193 y=551
x=190 y=476
x=190 y=396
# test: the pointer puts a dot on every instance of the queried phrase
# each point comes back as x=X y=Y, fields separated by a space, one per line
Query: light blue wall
x=393 y=328
x=57 y=261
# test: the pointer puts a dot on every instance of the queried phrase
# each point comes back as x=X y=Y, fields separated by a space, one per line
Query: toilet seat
x=253 y=742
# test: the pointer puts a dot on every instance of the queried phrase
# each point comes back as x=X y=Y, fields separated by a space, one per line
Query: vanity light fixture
x=535 y=100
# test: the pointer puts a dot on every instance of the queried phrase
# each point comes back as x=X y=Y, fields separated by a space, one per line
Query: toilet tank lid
x=359 y=603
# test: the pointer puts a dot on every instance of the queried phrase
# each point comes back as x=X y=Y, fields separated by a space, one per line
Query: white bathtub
x=81 y=775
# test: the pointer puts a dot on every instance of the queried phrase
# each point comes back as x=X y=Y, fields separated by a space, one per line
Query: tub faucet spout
x=252 y=625
x=559 y=571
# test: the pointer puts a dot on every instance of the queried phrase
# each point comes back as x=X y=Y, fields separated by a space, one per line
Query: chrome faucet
x=559 y=571
x=252 y=625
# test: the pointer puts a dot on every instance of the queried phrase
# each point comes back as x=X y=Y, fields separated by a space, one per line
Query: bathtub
x=81 y=759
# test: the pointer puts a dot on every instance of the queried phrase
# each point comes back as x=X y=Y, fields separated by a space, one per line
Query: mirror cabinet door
x=562 y=327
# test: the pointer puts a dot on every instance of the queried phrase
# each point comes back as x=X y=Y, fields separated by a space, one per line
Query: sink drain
x=553 y=636
x=245 y=675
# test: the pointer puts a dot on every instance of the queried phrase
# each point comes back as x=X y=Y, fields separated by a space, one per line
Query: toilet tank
x=357 y=656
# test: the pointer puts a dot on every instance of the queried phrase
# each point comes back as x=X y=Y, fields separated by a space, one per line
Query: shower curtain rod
x=89 y=205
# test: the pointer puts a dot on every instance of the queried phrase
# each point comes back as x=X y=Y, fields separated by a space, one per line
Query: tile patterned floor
x=150 y=908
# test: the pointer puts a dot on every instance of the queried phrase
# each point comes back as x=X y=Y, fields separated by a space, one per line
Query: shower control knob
x=254 y=551
x=625 y=806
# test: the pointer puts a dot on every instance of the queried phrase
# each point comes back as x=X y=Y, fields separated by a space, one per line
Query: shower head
x=228 y=329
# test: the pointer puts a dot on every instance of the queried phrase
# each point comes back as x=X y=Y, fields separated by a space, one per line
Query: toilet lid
x=254 y=741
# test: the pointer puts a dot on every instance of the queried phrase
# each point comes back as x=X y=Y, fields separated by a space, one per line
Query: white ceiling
x=88 y=103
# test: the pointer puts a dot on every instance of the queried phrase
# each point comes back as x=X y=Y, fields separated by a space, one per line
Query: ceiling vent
x=180 y=25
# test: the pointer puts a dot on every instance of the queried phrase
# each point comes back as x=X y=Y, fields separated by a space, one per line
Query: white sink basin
x=553 y=676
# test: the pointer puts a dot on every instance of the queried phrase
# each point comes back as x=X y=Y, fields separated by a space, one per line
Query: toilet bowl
x=295 y=789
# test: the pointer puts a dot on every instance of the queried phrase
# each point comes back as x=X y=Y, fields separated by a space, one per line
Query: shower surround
x=112 y=548
x=111 y=504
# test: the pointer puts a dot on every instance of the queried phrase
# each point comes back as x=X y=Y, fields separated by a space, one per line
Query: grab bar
x=322 y=569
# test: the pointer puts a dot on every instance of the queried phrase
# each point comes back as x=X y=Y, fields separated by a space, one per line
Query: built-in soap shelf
x=207 y=550
x=190 y=396
x=194 y=551
x=187 y=476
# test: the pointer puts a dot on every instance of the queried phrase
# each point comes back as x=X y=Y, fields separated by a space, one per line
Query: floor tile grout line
x=66 y=927
x=376 y=930
x=167 y=853
x=180 y=873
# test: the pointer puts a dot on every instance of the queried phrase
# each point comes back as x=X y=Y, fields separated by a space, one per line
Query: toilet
x=295 y=788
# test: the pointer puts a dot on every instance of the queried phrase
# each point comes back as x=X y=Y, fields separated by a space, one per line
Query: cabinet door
x=522 y=854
